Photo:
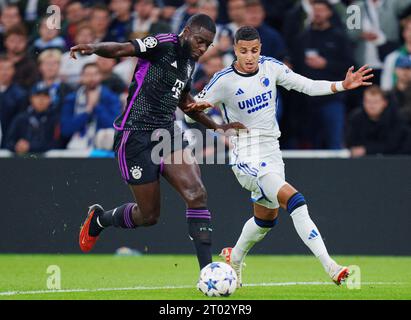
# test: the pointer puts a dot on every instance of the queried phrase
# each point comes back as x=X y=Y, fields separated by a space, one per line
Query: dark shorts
x=140 y=159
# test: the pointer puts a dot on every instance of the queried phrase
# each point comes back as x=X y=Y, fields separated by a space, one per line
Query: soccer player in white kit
x=246 y=92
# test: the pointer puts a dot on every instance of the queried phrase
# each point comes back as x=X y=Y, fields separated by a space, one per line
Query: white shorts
x=249 y=174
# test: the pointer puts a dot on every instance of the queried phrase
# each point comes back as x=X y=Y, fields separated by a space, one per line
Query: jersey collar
x=246 y=75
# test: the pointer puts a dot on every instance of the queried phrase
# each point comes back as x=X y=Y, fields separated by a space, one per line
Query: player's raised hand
x=199 y=106
x=87 y=49
x=354 y=80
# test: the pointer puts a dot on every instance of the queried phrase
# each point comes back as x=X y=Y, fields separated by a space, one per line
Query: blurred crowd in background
x=50 y=101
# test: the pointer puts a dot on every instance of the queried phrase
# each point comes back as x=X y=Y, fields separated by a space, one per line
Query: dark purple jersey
x=163 y=72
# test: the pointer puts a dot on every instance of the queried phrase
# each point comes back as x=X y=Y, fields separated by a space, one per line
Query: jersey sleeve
x=150 y=47
x=294 y=81
x=213 y=91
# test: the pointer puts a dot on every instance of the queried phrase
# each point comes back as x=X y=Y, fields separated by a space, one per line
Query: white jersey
x=252 y=100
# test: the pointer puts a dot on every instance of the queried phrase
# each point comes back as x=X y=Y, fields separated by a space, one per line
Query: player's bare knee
x=265 y=213
x=196 y=197
x=150 y=217
x=150 y=221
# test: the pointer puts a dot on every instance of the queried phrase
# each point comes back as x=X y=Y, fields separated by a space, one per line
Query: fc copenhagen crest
x=150 y=42
x=265 y=82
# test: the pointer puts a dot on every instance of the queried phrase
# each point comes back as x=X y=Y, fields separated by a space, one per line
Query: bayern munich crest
x=136 y=172
x=150 y=42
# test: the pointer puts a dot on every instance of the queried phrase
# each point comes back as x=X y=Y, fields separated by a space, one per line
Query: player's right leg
x=254 y=230
x=142 y=175
x=144 y=212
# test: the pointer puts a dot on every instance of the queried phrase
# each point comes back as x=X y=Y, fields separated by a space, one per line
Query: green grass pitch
x=173 y=277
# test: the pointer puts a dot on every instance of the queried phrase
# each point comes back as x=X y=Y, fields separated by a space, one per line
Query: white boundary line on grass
x=140 y=288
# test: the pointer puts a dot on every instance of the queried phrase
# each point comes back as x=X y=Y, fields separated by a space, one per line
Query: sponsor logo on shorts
x=136 y=172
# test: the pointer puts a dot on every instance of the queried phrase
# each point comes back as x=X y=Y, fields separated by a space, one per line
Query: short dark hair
x=246 y=33
x=253 y=3
x=202 y=20
x=19 y=30
x=323 y=2
x=90 y=64
x=100 y=7
x=376 y=90
x=4 y=58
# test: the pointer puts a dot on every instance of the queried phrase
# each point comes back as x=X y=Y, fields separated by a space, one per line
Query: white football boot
x=226 y=255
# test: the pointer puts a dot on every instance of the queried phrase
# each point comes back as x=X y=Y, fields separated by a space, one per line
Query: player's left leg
x=183 y=173
x=254 y=230
x=294 y=202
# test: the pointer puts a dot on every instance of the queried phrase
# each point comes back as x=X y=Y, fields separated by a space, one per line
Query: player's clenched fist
x=87 y=49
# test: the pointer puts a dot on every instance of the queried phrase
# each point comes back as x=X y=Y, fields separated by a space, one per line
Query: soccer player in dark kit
x=161 y=83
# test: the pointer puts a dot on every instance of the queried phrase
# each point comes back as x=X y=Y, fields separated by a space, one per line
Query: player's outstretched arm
x=354 y=80
x=104 y=49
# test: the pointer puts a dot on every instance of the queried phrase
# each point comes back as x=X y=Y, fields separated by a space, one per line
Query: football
x=217 y=279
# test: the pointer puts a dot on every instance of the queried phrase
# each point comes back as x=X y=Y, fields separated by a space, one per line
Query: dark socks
x=120 y=217
x=199 y=229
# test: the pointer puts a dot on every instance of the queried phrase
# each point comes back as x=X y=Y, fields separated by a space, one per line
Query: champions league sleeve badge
x=150 y=42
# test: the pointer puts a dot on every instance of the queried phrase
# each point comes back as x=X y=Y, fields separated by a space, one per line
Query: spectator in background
x=49 y=39
x=89 y=110
x=145 y=20
x=125 y=68
x=236 y=13
x=74 y=15
x=182 y=14
x=377 y=128
x=401 y=94
x=272 y=42
x=35 y=130
x=100 y=22
x=110 y=79
x=388 y=78
x=13 y=98
x=31 y=11
x=49 y=66
x=299 y=18
x=211 y=8
x=62 y=4
x=26 y=72
x=324 y=53
x=9 y=17
x=379 y=33
x=210 y=66
x=275 y=11
x=70 y=70
x=120 y=26
x=168 y=9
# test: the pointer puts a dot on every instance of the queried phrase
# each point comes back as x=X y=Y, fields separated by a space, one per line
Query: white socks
x=305 y=227
x=251 y=234
x=310 y=235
